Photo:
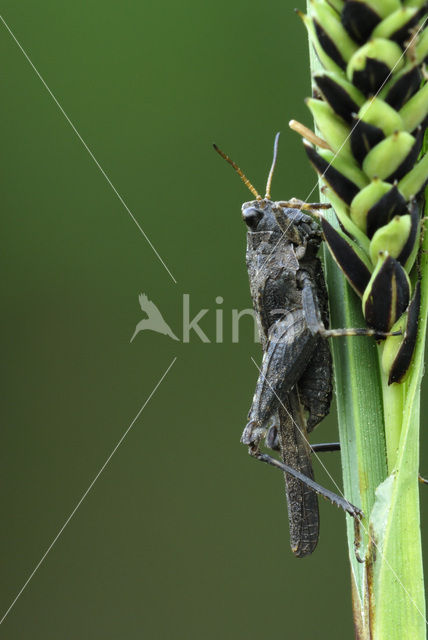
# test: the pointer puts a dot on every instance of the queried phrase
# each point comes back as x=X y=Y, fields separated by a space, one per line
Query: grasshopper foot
x=253 y=433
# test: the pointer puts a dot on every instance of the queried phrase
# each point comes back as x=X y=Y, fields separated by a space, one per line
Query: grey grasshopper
x=293 y=391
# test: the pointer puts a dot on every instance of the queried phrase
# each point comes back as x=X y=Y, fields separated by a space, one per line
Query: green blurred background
x=182 y=536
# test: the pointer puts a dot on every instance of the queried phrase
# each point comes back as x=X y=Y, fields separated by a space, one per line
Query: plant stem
x=379 y=435
x=393 y=398
x=361 y=426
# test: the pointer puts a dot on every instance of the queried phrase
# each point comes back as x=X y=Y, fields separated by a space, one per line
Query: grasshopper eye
x=252 y=217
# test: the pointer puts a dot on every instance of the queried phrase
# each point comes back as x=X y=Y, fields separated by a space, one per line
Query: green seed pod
x=371 y=65
x=392 y=237
x=392 y=344
x=383 y=7
x=386 y=161
x=401 y=86
x=364 y=137
x=380 y=114
x=421 y=48
x=341 y=95
x=343 y=187
x=415 y=180
x=334 y=131
x=337 y=5
x=365 y=212
x=331 y=34
x=342 y=214
x=415 y=111
x=387 y=294
x=360 y=18
x=410 y=250
x=348 y=168
x=414 y=3
x=350 y=258
x=326 y=61
x=398 y=350
x=398 y=24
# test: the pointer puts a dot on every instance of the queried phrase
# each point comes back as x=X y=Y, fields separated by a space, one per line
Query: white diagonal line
x=343 y=496
x=14 y=601
x=121 y=200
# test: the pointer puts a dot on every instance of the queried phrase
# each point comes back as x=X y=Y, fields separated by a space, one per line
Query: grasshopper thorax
x=280 y=223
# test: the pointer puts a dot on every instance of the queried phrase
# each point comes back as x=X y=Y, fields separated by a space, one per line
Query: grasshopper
x=293 y=391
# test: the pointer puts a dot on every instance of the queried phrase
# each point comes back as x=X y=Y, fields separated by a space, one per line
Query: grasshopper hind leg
x=332 y=497
x=303 y=513
x=315 y=391
x=315 y=386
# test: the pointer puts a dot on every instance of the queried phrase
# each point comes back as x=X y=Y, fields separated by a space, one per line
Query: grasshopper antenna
x=272 y=169
x=239 y=172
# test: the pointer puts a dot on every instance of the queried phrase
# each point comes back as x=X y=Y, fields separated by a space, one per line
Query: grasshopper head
x=274 y=222
x=281 y=224
x=258 y=216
